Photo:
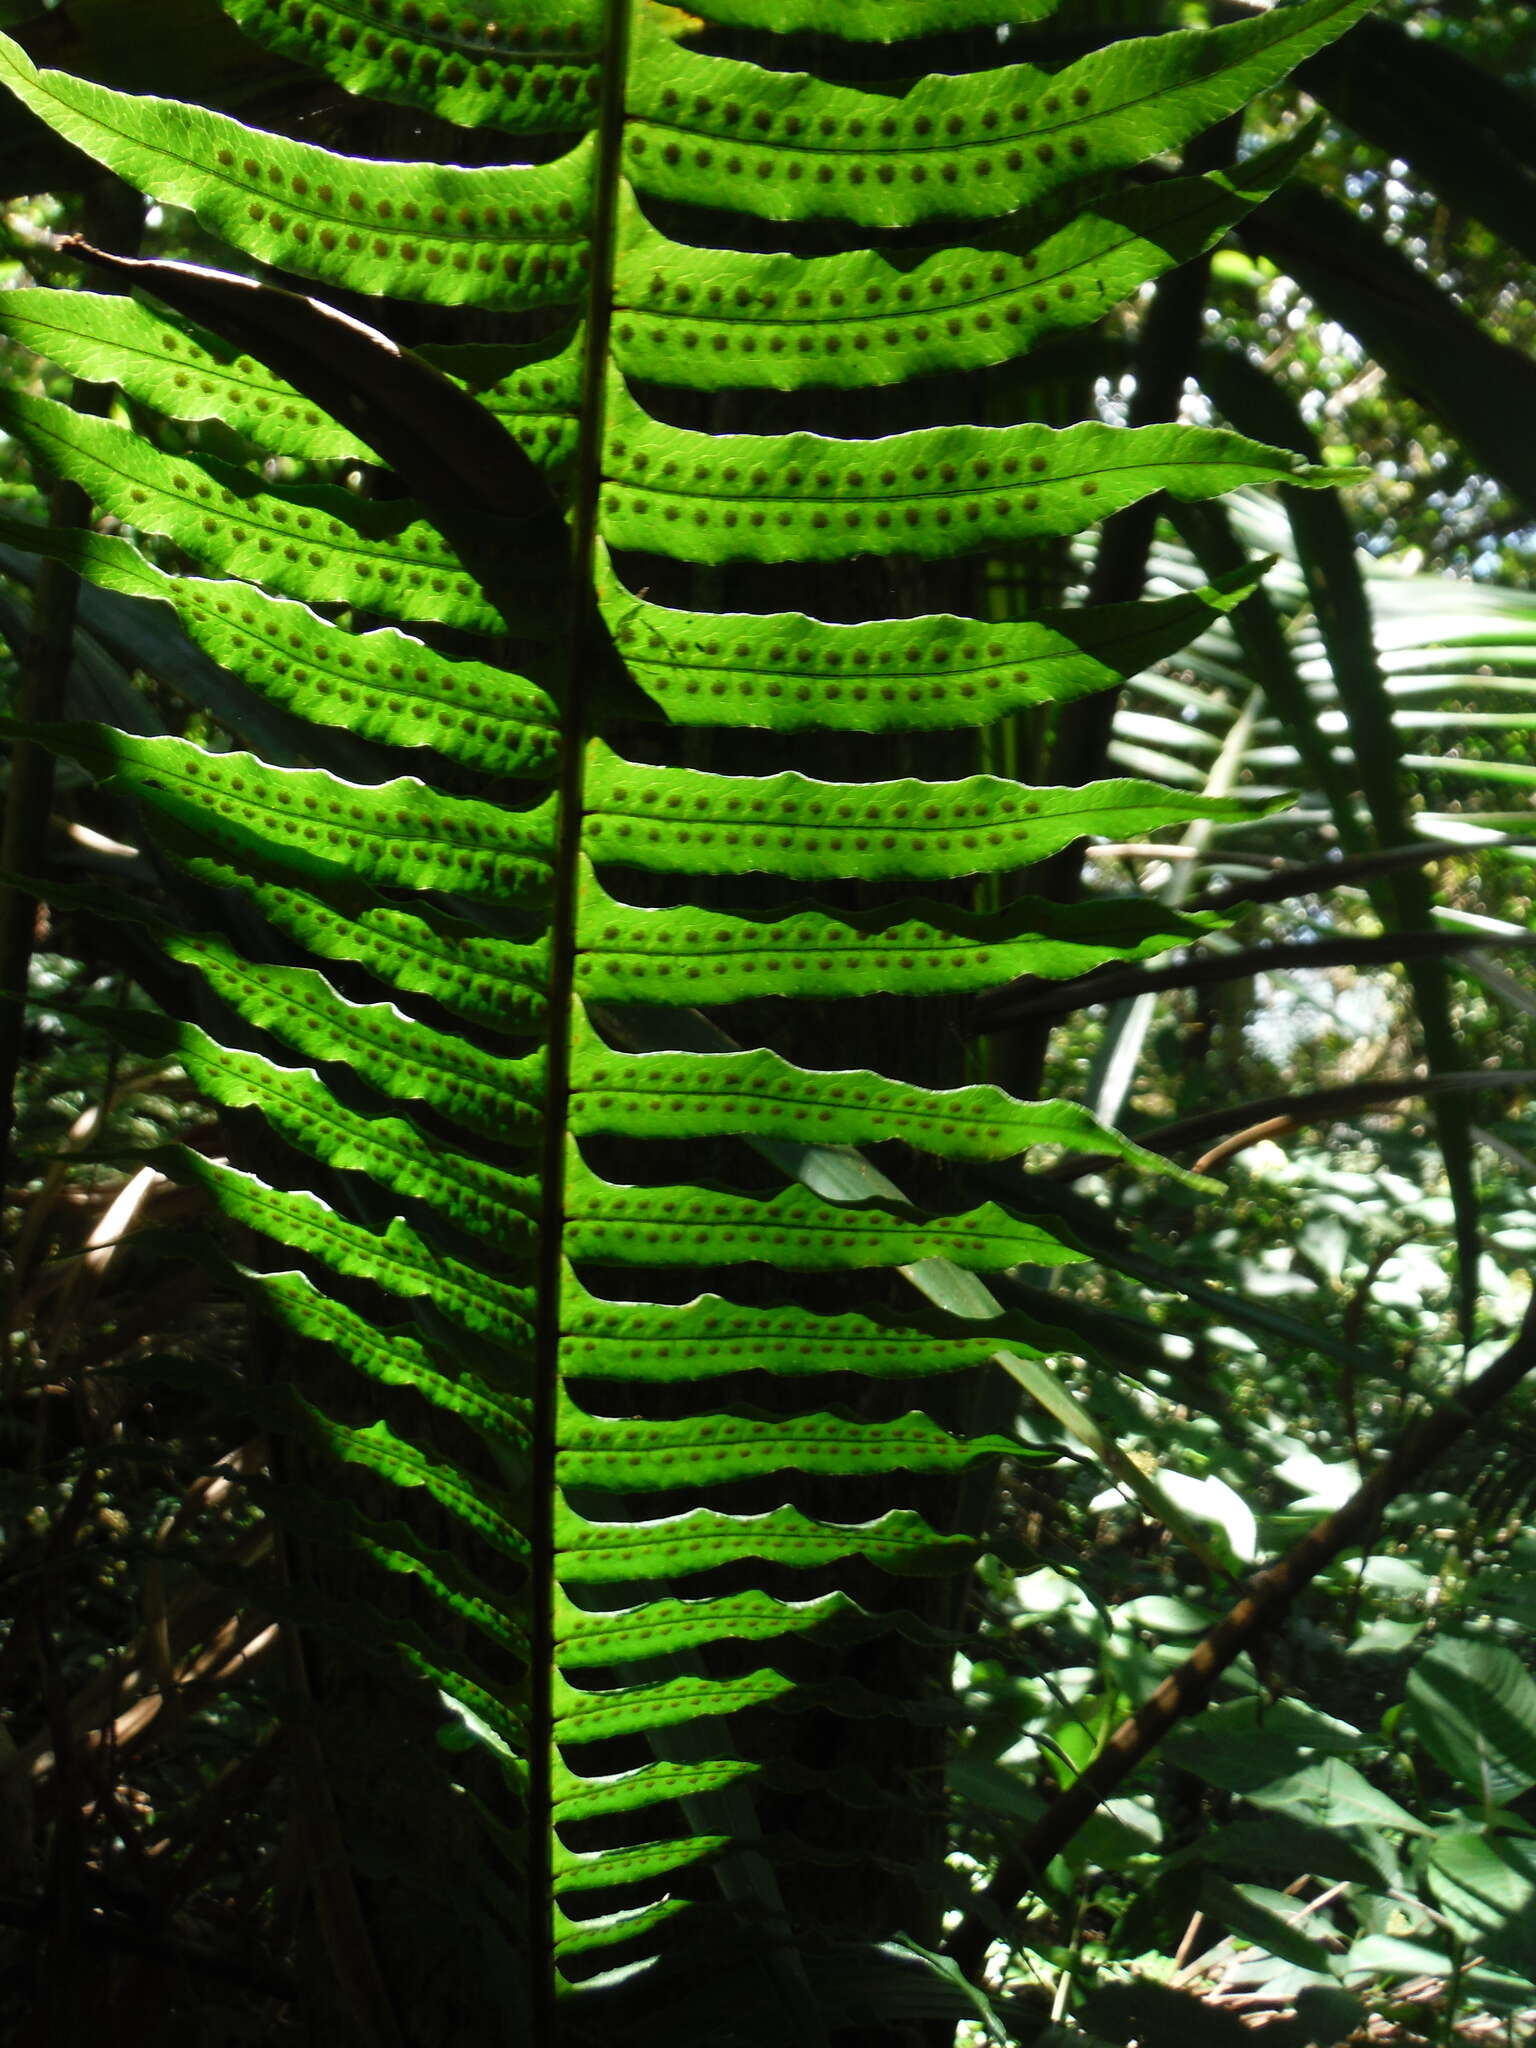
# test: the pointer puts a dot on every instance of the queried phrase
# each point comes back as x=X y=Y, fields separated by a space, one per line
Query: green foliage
x=491 y=1139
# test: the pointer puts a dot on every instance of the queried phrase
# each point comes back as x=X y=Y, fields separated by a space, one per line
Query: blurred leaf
x=1414 y=328
x=995 y=1789
x=1473 y=1707
x=1486 y=1884
x=1121 y=1829
x=1246 y=1744
x=1212 y=1500
x=1463 y=129
x=1243 y=1912
x=1332 y=1793
x=1282 y=1843
x=1155 y=2016
x=1389 y=1955
x=1165 y=1617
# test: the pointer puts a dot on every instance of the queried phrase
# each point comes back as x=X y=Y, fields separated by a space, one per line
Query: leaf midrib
x=986 y=487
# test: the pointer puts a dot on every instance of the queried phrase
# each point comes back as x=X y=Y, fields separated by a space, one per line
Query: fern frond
x=486 y=957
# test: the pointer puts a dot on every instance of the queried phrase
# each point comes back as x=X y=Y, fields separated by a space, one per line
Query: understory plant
x=591 y=580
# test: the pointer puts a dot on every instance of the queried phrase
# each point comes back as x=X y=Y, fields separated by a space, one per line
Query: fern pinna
x=496 y=851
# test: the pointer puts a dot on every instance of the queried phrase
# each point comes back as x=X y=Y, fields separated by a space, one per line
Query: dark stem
x=1269 y=1593
x=1321 y=878
x=1296 y=1110
x=1017 y=1006
x=588 y=656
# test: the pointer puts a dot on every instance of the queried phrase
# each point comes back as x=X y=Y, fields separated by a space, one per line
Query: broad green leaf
x=382 y=685
x=629 y=1710
x=1244 y=1746
x=1390 y=1955
x=790 y=147
x=1473 y=1706
x=577 y=1798
x=934 y=492
x=706 y=1338
x=1282 y=1844
x=760 y=1095
x=790 y=672
x=712 y=317
x=593 y=1553
x=308 y=541
x=184 y=373
x=511 y=237
x=632 y=1457
x=877 y=21
x=1486 y=1884
x=377 y=1449
x=478 y=1197
x=403 y=834
x=578 y=1872
x=539 y=71
x=394 y=1360
x=696 y=1226
x=631 y=955
x=588 y=1636
x=491 y=981
x=572 y=1938
x=1332 y=1793
x=398 y=1055
x=682 y=821
x=396 y=1258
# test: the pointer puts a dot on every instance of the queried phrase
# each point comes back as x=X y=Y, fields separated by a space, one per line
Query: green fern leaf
x=308 y=541
x=787 y=146
x=715 y=319
x=599 y=1513
x=383 y=684
x=537 y=72
x=184 y=375
x=937 y=492
x=790 y=673
x=506 y=238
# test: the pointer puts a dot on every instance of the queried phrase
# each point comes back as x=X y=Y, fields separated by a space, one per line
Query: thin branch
x=1028 y=1003
x=1322 y=1103
x=1269 y=1593
x=1280 y=1115
x=1321 y=878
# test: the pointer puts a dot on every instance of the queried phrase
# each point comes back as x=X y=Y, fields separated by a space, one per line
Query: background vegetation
x=1343 y=1848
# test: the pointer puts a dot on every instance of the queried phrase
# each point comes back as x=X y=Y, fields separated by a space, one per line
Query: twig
x=1319 y=1103
x=1269 y=1593
x=1019 y=1006
x=1321 y=878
